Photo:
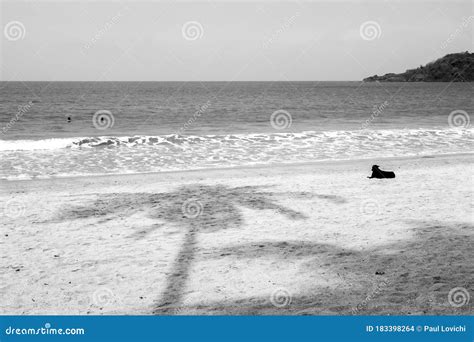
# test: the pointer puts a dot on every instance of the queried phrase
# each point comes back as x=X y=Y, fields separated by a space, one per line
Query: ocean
x=66 y=129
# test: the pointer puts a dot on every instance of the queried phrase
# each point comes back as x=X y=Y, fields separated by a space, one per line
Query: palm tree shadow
x=195 y=209
x=207 y=209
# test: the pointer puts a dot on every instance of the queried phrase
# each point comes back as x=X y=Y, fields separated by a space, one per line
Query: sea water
x=62 y=129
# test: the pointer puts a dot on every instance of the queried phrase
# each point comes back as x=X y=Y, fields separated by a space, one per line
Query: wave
x=30 y=145
x=70 y=157
x=399 y=136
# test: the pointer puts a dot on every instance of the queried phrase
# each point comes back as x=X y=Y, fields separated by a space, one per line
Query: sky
x=226 y=41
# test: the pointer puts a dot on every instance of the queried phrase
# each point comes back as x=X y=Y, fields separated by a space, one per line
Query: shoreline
x=321 y=163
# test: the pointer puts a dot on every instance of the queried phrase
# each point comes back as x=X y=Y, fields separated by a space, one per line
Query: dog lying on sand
x=377 y=173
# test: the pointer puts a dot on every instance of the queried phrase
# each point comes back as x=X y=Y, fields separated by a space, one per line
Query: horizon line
x=181 y=81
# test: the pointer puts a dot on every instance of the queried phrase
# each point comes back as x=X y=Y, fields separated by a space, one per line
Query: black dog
x=377 y=173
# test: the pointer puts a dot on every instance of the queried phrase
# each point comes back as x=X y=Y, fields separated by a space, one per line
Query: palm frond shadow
x=194 y=208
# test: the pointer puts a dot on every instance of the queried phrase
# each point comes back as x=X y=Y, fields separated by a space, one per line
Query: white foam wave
x=69 y=157
x=389 y=136
x=30 y=145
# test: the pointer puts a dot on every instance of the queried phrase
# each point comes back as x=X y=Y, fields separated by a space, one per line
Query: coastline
x=318 y=163
x=317 y=238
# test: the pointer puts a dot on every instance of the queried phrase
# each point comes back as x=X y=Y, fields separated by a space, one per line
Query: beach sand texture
x=310 y=239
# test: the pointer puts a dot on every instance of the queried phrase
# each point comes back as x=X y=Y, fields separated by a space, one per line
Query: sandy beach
x=309 y=239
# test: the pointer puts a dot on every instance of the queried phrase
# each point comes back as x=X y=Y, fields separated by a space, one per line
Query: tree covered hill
x=456 y=67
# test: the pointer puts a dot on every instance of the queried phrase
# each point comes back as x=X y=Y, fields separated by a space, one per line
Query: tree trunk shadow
x=171 y=296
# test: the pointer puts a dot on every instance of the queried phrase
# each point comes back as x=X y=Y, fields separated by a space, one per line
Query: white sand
x=296 y=239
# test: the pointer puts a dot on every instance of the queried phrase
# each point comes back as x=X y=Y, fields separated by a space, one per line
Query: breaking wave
x=383 y=137
x=64 y=157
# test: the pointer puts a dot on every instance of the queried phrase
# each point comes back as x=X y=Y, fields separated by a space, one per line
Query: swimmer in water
x=68 y=119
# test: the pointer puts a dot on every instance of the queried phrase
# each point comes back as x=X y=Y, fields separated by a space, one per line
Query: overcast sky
x=148 y=41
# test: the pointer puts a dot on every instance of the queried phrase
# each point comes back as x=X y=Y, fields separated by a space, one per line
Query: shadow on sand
x=195 y=208
x=413 y=277
x=405 y=277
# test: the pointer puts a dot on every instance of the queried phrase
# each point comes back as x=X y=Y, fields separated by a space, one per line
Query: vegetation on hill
x=455 y=67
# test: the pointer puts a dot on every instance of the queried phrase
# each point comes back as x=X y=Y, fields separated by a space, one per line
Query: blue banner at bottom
x=237 y=328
